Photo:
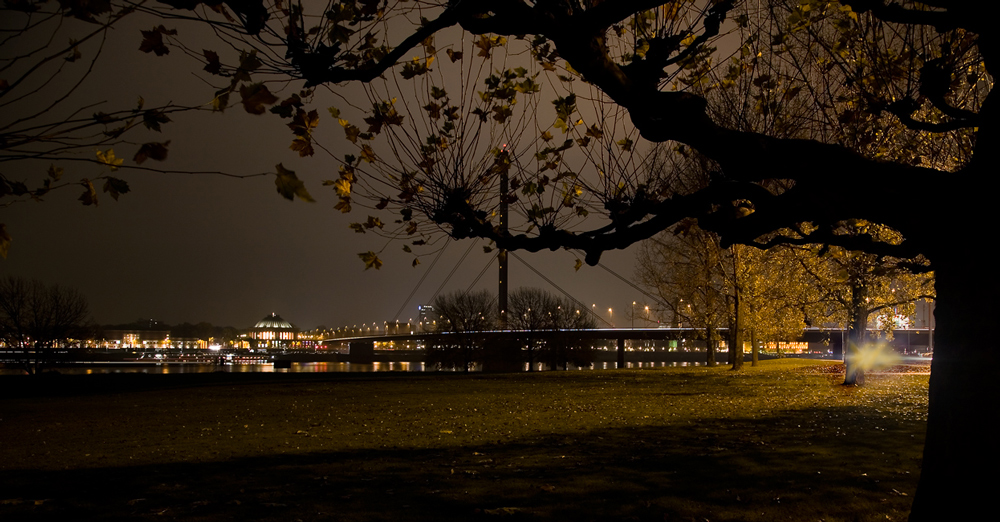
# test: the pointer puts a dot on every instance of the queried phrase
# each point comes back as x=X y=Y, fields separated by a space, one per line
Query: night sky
x=191 y=248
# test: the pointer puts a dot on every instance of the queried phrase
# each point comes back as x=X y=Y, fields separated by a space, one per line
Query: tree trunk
x=754 y=349
x=736 y=326
x=857 y=329
x=737 y=348
x=958 y=477
x=736 y=334
x=710 y=345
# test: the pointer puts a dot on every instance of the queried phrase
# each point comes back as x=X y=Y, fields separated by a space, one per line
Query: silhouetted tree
x=533 y=310
x=464 y=317
x=901 y=132
x=36 y=318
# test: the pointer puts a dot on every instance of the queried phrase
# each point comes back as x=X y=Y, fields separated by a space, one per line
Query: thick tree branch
x=313 y=66
x=951 y=15
x=904 y=109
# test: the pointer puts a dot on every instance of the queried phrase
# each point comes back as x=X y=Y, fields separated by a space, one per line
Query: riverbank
x=778 y=442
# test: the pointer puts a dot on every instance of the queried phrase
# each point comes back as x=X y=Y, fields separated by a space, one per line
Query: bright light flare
x=870 y=356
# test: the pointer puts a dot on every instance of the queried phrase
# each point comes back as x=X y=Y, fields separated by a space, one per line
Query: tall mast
x=502 y=255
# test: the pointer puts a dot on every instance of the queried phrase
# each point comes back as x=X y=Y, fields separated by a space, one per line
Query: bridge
x=362 y=348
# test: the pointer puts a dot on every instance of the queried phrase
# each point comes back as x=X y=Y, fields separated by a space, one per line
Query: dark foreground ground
x=784 y=441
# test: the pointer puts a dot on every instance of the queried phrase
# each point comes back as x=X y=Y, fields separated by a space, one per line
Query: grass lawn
x=782 y=441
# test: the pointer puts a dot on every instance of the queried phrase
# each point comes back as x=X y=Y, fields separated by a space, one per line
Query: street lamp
x=611 y=318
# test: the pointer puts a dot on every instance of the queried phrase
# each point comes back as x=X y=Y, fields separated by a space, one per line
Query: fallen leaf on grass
x=502 y=511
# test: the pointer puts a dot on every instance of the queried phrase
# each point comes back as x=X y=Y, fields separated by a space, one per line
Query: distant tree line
x=470 y=316
x=36 y=318
x=203 y=330
x=768 y=295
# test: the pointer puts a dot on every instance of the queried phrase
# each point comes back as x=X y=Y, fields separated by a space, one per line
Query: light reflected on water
x=296 y=367
x=312 y=367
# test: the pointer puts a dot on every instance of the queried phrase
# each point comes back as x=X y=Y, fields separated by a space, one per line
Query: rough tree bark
x=956 y=477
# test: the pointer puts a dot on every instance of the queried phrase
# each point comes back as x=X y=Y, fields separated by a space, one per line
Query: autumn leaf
x=152 y=41
x=55 y=172
x=416 y=68
x=383 y=113
x=374 y=222
x=485 y=43
x=212 y=65
x=115 y=187
x=287 y=107
x=371 y=260
x=578 y=264
x=304 y=122
x=343 y=187
x=74 y=54
x=367 y=154
x=248 y=63
x=433 y=111
x=290 y=186
x=344 y=205
x=565 y=106
x=89 y=196
x=221 y=101
x=255 y=97
x=108 y=158
x=350 y=131
x=103 y=118
x=303 y=146
x=154 y=151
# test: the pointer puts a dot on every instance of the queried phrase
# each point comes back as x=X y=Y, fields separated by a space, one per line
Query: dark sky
x=190 y=248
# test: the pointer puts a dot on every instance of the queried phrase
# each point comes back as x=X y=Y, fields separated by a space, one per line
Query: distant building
x=144 y=340
x=273 y=332
x=427 y=318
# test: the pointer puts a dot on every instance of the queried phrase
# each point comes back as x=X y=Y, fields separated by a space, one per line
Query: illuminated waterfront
x=301 y=367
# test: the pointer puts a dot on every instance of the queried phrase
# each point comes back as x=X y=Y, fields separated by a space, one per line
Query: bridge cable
x=564 y=292
x=630 y=283
x=453 y=270
x=480 y=276
x=426 y=273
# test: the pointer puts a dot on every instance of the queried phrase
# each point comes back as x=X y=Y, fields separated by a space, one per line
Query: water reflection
x=308 y=367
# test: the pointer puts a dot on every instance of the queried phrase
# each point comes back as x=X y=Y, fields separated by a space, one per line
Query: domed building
x=274 y=332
